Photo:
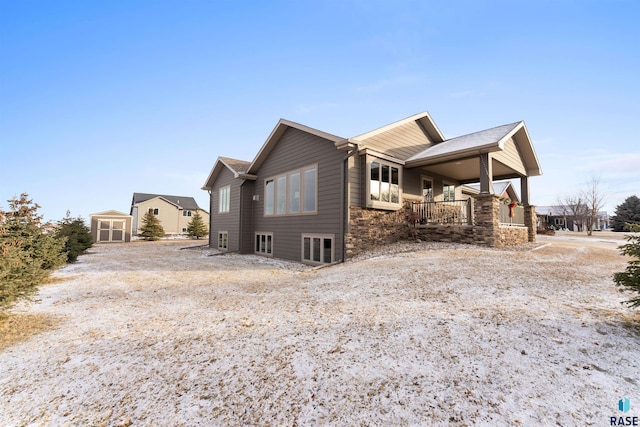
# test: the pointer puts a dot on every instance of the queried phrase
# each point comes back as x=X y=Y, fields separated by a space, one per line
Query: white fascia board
x=382 y=156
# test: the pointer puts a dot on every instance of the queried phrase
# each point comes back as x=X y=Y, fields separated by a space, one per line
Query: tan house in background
x=174 y=212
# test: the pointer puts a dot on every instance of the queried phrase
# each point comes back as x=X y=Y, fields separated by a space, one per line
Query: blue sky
x=102 y=99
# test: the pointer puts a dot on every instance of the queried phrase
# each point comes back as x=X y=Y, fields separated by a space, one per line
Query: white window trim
x=287 y=186
x=256 y=250
x=186 y=212
x=224 y=207
x=446 y=183
x=376 y=204
x=311 y=236
x=422 y=179
x=221 y=246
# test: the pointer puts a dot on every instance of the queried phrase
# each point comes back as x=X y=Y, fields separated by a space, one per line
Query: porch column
x=487 y=220
x=531 y=221
x=486 y=174
x=524 y=190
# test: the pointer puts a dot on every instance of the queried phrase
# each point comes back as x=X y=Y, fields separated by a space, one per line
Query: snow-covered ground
x=416 y=334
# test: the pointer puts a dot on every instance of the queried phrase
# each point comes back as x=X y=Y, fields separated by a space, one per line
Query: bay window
x=384 y=184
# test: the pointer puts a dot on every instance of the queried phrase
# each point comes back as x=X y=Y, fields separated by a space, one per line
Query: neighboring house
x=560 y=218
x=110 y=227
x=174 y=212
x=502 y=189
x=319 y=198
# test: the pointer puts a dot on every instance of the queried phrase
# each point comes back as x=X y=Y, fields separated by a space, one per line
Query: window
x=310 y=186
x=184 y=229
x=448 y=192
x=225 y=193
x=317 y=249
x=268 y=197
x=292 y=193
x=384 y=182
x=264 y=244
x=154 y=211
x=223 y=240
x=186 y=213
x=281 y=195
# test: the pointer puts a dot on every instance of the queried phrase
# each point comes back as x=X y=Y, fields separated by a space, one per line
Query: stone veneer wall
x=372 y=227
x=510 y=235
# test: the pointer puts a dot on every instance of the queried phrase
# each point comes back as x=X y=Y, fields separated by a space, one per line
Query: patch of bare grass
x=16 y=328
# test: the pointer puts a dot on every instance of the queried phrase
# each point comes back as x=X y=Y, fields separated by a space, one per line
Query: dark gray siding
x=294 y=150
x=246 y=217
x=230 y=221
x=355 y=181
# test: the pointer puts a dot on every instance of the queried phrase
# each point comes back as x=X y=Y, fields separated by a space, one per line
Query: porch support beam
x=524 y=190
x=486 y=174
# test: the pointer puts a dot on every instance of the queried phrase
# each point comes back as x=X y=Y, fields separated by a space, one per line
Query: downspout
x=344 y=196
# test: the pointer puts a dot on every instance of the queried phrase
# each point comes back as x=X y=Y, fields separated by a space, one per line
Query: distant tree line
x=30 y=248
x=627 y=214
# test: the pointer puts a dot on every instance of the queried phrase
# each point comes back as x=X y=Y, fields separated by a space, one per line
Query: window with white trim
x=223 y=240
x=186 y=213
x=264 y=244
x=292 y=193
x=318 y=249
x=448 y=192
x=224 y=201
x=154 y=211
x=383 y=180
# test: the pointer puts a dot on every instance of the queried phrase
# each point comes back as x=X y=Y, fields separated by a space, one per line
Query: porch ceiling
x=468 y=170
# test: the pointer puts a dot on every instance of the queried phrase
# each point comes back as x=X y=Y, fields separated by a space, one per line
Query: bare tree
x=594 y=198
x=574 y=208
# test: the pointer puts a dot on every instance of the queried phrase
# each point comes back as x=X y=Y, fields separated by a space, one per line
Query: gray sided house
x=319 y=198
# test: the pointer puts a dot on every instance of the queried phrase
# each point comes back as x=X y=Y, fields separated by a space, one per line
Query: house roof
x=485 y=141
x=488 y=138
x=239 y=168
x=499 y=187
x=181 y=202
x=109 y=213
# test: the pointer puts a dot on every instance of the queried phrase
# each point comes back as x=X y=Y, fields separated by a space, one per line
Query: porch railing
x=456 y=212
x=516 y=219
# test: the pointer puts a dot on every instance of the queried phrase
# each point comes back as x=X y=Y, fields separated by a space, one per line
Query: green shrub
x=197 y=228
x=28 y=251
x=630 y=278
x=77 y=235
x=151 y=228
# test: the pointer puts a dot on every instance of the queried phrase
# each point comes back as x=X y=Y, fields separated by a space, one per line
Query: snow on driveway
x=419 y=334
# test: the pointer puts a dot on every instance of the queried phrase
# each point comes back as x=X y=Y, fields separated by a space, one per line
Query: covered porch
x=501 y=153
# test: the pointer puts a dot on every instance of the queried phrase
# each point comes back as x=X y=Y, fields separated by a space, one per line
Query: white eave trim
x=444 y=157
x=382 y=156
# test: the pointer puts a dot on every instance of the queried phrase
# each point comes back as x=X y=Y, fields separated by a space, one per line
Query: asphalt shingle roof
x=188 y=203
x=466 y=142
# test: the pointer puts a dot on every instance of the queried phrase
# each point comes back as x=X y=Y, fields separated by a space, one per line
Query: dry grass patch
x=15 y=328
